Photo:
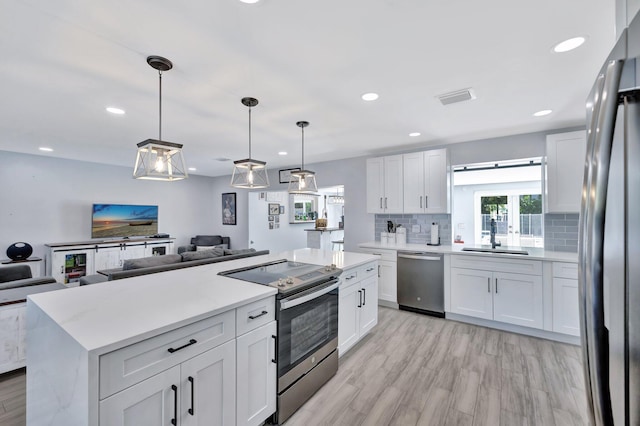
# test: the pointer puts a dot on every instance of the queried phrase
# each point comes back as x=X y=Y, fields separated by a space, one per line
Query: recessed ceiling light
x=114 y=110
x=542 y=113
x=414 y=134
x=569 y=44
x=192 y=169
x=282 y=153
x=45 y=149
x=370 y=96
x=250 y=1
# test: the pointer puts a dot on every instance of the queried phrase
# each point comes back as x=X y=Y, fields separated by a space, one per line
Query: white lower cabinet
x=480 y=288
x=199 y=391
x=217 y=371
x=566 y=313
x=256 y=377
x=387 y=274
x=357 y=306
x=12 y=336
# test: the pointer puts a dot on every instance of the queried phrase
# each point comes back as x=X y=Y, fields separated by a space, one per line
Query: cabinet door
x=566 y=315
x=375 y=185
x=132 y=252
x=209 y=387
x=369 y=309
x=517 y=299
x=471 y=293
x=387 y=281
x=393 y=182
x=154 y=401
x=435 y=182
x=348 y=316
x=107 y=258
x=565 y=169
x=413 y=179
x=12 y=336
x=256 y=375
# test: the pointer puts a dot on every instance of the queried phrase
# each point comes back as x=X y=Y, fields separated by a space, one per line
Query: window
x=509 y=192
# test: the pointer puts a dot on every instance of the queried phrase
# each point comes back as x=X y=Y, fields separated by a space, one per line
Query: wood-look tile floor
x=418 y=370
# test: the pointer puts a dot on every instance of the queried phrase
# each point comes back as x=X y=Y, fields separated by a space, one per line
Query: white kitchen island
x=97 y=353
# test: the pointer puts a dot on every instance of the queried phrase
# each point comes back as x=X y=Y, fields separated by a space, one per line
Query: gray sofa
x=170 y=262
x=16 y=283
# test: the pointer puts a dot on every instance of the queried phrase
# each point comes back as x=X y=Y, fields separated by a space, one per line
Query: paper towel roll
x=435 y=234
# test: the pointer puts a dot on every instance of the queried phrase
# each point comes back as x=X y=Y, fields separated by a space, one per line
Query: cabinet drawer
x=368 y=270
x=565 y=270
x=252 y=316
x=385 y=254
x=530 y=267
x=127 y=366
x=350 y=276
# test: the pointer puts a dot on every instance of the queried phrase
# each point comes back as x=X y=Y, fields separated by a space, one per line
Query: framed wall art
x=229 y=208
x=274 y=208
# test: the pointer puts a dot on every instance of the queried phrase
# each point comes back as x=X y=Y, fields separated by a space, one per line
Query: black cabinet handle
x=259 y=315
x=364 y=296
x=496 y=286
x=192 y=410
x=275 y=350
x=174 y=420
x=191 y=342
x=359 y=298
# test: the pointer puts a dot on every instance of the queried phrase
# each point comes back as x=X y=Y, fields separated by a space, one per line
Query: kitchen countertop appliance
x=421 y=282
x=307 y=316
x=609 y=238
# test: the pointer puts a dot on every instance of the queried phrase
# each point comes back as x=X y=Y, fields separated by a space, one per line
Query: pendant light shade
x=249 y=173
x=303 y=181
x=157 y=159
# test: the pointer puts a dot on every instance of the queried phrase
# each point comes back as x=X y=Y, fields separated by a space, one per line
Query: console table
x=68 y=262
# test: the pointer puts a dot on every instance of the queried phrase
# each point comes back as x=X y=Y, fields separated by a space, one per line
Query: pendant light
x=158 y=159
x=303 y=181
x=249 y=173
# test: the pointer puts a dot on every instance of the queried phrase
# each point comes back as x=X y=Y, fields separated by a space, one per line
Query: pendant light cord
x=160 y=106
x=249 y=132
x=302 y=147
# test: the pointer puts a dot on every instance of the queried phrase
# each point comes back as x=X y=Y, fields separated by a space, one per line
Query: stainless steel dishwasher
x=421 y=282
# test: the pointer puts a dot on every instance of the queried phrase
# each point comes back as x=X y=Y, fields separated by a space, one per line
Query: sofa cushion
x=14 y=272
x=207 y=240
x=228 y=252
x=202 y=254
x=222 y=246
x=145 y=262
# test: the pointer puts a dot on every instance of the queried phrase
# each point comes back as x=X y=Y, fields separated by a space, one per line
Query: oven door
x=307 y=328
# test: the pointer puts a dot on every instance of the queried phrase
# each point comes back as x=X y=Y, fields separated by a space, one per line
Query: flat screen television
x=123 y=220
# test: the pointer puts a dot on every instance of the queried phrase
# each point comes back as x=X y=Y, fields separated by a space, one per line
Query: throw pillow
x=202 y=254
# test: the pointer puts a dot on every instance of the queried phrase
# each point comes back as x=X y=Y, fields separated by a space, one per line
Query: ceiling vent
x=457 y=96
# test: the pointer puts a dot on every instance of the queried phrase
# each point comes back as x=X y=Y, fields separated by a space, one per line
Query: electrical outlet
x=415 y=229
x=461 y=226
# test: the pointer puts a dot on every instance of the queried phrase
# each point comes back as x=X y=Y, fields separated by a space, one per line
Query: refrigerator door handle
x=595 y=342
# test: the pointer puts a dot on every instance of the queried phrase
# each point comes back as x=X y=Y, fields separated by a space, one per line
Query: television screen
x=120 y=220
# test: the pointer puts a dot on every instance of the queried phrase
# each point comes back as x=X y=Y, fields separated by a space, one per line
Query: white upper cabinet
x=384 y=184
x=425 y=182
x=565 y=169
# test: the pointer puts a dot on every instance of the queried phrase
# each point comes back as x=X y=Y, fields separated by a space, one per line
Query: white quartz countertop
x=106 y=316
x=534 y=253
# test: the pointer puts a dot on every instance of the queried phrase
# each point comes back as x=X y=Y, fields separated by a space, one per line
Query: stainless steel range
x=307 y=315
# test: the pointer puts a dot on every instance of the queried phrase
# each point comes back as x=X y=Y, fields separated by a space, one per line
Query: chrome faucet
x=494 y=228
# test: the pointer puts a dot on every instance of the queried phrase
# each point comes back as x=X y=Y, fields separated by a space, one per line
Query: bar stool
x=339 y=243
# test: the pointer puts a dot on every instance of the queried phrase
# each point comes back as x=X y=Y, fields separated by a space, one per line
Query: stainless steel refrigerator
x=609 y=245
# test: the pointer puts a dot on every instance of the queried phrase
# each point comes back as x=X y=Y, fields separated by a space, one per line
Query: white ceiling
x=64 y=61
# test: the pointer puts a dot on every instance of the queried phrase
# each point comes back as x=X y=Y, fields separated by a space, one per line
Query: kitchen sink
x=495 y=250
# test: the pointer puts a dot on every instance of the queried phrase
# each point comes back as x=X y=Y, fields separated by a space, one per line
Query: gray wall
x=350 y=172
x=46 y=200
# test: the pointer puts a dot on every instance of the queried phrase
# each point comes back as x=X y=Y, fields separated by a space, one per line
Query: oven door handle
x=295 y=301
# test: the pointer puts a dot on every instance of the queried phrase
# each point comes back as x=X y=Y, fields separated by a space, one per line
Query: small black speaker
x=19 y=251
